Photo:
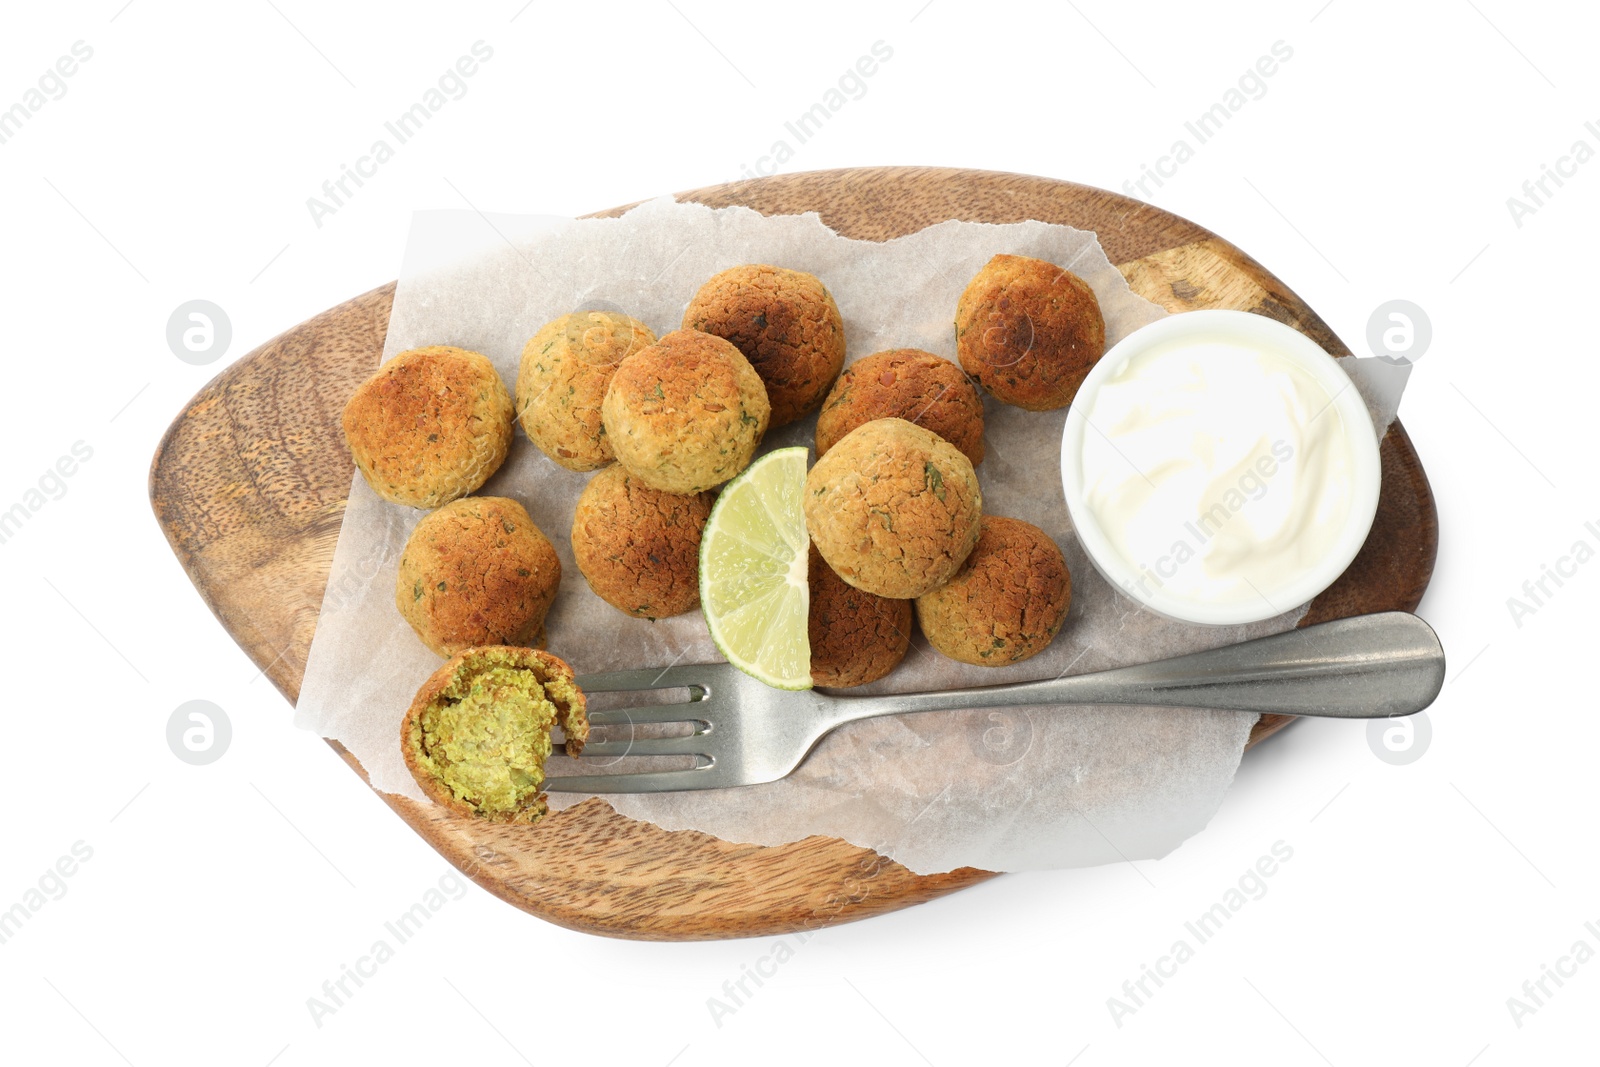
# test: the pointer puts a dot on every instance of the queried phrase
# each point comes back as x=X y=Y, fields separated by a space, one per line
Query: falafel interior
x=486 y=735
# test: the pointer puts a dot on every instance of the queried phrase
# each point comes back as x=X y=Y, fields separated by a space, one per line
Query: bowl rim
x=1347 y=400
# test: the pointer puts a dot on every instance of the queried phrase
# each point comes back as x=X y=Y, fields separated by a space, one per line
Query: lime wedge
x=753 y=571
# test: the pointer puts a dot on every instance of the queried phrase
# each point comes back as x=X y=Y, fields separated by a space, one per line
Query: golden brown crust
x=910 y=384
x=477 y=572
x=638 y=547
x=786 y=324
x=856 y=636
x=571 y=715
x=893 y=508
x=685 y=414
x=562 y=381
x=430 y=426
x=1006 y=603
x=1029 y=331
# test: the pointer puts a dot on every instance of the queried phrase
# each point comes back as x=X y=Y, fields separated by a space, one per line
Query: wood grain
x=249 y=485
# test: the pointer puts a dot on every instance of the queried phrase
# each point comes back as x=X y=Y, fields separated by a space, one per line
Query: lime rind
x=753 y=588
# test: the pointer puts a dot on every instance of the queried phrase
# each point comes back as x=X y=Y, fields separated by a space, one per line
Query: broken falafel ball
x=477 y=735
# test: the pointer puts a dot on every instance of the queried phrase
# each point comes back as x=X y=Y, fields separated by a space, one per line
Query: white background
x=219 y=898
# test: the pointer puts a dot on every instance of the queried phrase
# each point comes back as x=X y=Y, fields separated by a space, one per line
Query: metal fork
x=746 y=732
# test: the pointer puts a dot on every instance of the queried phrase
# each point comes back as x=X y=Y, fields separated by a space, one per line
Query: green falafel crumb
x=488 y=744
x=934 y=480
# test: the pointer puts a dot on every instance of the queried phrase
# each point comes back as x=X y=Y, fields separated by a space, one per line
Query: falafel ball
x=786 y=324
x=893 y=508
x=430 y=426
x=638 y=547
x=910 y=384
x=1007 y=601
x=477 y=735
x=1029 y=331
x=562 y=382
x=477 y=572
x=856 y=636
x=686 y=413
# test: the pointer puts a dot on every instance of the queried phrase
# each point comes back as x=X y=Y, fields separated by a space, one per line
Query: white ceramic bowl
x=1292 y=344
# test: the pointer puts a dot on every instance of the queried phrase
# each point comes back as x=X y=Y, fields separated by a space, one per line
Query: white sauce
x=1220 y=470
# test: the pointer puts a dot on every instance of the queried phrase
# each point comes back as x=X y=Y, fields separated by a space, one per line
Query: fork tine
x=609 y=681
x=647 y=782
x=693 y=745
x=625 y=681
x=684 y=712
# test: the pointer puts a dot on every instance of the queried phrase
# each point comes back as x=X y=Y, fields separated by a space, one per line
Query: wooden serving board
x=249 y=484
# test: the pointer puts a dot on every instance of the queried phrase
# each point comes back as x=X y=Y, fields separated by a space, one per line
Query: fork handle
x=1365 y=667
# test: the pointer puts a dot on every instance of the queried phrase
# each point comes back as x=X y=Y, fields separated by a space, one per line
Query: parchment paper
x=1004 y=791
